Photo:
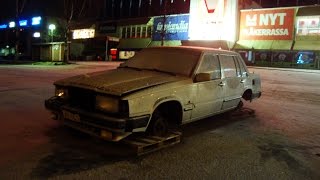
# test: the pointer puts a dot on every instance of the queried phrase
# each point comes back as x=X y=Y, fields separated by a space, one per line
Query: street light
x=52 y=27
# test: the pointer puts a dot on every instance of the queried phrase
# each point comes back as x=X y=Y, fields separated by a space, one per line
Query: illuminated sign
x=274 y=24
x=36 y=21
x=12 y=24
x=126 y=54
x=3 y=26
x=23 y=23
x=213 y=20
x=36 y=34
x=83 y=33
x=211 y=5
x=174 y=27
x=308 y=25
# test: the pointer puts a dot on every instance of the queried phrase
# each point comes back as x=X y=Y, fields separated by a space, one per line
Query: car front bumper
x=95 y=123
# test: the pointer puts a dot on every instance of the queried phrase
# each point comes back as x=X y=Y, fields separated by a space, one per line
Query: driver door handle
x=222 y=84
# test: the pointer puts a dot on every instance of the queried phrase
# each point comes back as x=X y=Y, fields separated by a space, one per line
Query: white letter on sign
x=273 y=18
x=251 y=21
x=281 y=15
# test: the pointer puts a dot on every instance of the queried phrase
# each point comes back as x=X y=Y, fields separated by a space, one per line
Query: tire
x=158 y=125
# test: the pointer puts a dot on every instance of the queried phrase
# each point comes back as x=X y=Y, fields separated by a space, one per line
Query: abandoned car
x=157 y=89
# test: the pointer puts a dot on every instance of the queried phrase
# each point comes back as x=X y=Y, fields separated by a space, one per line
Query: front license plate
x=71 y=116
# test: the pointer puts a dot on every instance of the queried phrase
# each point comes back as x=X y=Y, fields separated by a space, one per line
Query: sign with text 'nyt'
x=173 y=27
x=273 y=24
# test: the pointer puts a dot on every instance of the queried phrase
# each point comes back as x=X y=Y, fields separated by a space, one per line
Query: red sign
x=211 y=5
x=273 y=24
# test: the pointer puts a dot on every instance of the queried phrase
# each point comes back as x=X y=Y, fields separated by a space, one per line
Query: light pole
x=52 y=27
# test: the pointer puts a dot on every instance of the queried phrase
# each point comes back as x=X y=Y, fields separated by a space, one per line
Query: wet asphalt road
x=281 y=140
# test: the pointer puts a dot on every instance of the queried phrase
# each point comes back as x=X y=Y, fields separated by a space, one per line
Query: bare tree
x=72 y=11
x=19 y=8
x=164 y=20
x=164 y=17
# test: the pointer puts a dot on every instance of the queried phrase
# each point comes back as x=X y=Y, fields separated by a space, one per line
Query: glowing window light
x=12 y=24
x=36 y=20
x=36 y=34
x=3 y=26
x=23 y=23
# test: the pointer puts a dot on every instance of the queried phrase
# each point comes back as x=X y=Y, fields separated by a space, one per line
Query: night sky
x=32 y=8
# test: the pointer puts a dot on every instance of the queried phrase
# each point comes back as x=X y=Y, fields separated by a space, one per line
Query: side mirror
x=201 y=77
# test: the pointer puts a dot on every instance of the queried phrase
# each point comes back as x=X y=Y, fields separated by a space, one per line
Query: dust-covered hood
x=119 y=81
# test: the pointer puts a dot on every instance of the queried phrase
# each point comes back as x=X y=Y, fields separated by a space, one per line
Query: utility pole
x=19 y=9
x=16 y=55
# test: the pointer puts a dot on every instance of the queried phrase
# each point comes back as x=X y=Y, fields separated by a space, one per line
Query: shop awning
x=243 y=44
x=307 y=45
x=137 y=43
x=308 y=11
x=218 y=44
x=165 y=43
x=264 y=44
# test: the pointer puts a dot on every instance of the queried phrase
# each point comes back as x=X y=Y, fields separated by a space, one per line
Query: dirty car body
x=157 y=89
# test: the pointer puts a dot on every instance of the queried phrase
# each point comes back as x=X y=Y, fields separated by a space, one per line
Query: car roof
x=194 y=48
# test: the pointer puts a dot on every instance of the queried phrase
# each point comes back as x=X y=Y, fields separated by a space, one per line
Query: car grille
x=82 y=98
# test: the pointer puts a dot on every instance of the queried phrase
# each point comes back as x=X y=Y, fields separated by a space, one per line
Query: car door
x=209 y=97
x=232 y=81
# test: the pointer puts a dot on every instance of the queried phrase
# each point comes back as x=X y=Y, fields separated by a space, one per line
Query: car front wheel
x=158 y=125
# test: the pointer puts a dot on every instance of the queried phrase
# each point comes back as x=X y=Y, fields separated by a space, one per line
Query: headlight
x=112 y=105
x=61 y=92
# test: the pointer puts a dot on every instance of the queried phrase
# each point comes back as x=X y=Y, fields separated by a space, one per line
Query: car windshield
x=171 y=60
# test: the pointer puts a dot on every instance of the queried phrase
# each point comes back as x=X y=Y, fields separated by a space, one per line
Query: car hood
x=119 y=81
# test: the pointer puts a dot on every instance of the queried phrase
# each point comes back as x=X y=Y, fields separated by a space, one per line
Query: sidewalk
x=26 y=62
x=5 y=61
x=286 y=69
x=97 y=63
x=117 y=63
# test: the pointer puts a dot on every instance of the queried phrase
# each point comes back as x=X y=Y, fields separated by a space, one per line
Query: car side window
x=210 y=63
x=228 y=66
x=240 y=65
x=238 y=68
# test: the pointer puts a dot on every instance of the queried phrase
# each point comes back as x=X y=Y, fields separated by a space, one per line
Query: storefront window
x=144 y=31
x=139 y=31
x=282 y=57
x=132 y=31
x=128 y=32
x=308 y=25
x=149 y=30
x=304 y=57
x=263 y=56
x=123 y=32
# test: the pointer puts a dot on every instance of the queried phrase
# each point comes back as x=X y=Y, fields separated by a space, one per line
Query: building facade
x=281 y=37
x=265 y=32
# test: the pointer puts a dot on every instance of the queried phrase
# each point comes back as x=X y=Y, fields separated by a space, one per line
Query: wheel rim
x=160 y=127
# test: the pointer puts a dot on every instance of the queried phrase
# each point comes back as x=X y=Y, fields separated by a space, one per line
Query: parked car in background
x=157 y=89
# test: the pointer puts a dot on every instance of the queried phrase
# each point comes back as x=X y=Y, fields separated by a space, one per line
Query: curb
x=286 y=69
